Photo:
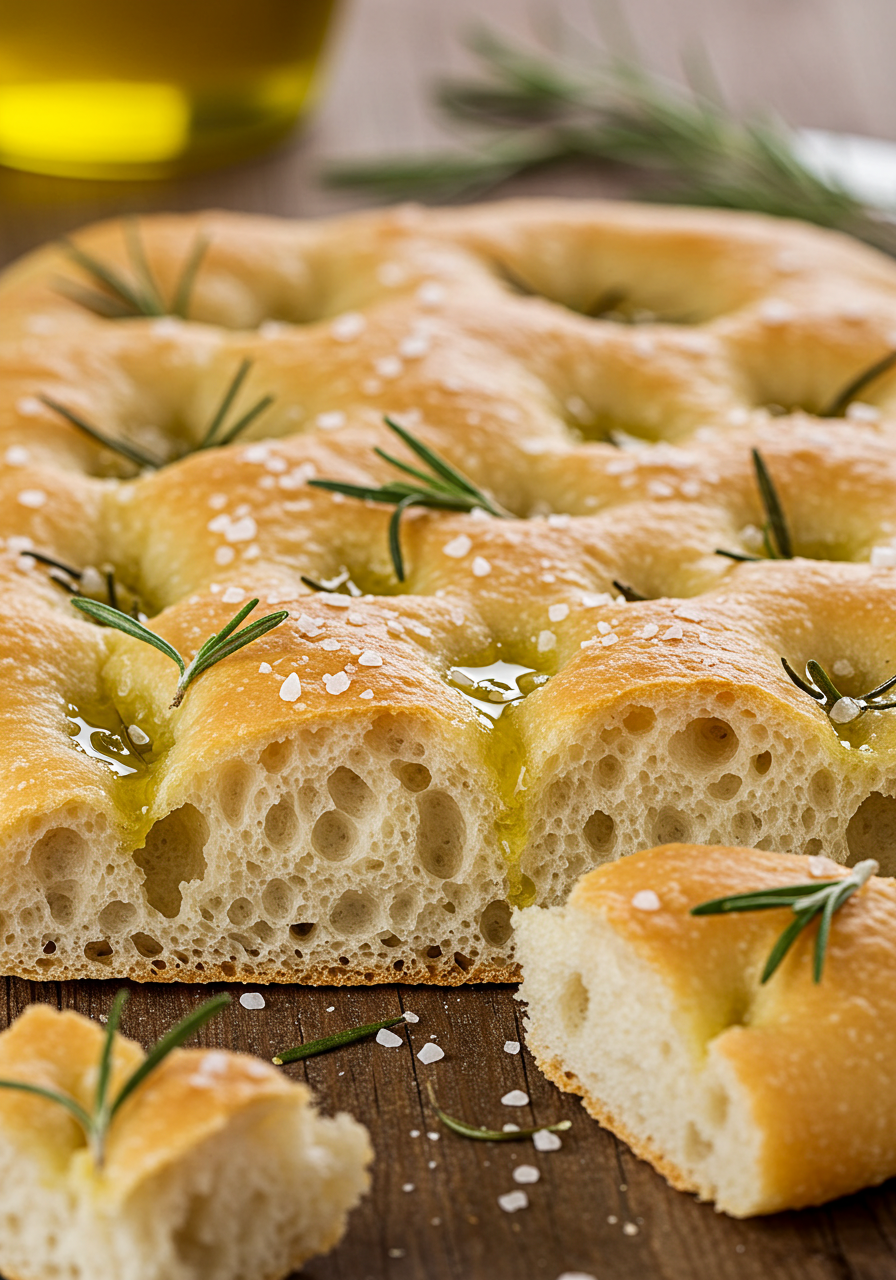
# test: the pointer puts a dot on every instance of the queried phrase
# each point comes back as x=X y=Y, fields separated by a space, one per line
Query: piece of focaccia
x=760 y=1097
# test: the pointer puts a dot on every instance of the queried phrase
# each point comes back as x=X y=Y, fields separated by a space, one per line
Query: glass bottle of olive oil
x=148 y=88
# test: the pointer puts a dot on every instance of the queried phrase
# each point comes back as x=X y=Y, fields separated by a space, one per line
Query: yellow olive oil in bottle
x=136 y=89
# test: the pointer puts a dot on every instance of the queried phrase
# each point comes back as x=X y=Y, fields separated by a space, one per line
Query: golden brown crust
x=812 y=1059
x=411 y=312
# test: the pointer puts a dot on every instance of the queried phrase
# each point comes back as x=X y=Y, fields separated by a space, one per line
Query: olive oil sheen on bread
x=102 y=89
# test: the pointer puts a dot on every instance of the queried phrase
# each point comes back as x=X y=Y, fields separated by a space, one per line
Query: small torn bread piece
x=216 y=1167
x=757 y=1096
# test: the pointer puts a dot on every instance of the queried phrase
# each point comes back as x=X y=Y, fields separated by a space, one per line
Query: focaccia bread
x=332 y=803
x=216 y=1167
x=759 y=1097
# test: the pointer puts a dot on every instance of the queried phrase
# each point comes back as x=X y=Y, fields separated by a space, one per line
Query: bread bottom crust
x=446 y=974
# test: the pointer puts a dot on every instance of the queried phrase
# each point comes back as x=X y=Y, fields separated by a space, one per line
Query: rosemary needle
x=775 y=532
x=841 y=709
x=443 y=488
x=481 y=1134
x=97 y=1120
x=806 y=900
x=116 y=297
x=533 y=108
x=312 y=1047
x=841 y=402
x=215 y=435
x=220 y=645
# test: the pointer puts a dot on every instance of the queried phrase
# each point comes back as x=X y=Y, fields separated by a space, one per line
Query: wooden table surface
x=433 y=1211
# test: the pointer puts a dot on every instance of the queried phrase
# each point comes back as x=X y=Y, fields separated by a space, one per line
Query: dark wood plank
x=591 y=1193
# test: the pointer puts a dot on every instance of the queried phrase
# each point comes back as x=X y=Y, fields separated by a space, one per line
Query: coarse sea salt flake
x=526 y=1173
x=576 y=1275
x=480 y=567
x=516 y=1098
x=291 y=688
x=430 y=1053
x=308 y=625
x=388 y=1039
x=604 y=628
x=546 y=640
x=844 y=710
x=610 y=639
x=457 y=547
x=649 y=631
x=544 y=1140
x=224 y=555
x=370 y=659
x=233 y=595
x=646 y=900
x=265 y=669
x=674 y=632
x=330 y=421
x=348 y=326
x=557 y=612
x=513 y=1200
x=16 y=456
x=32 y=498
x=337 y=683
x=511 y=1046
x=883 y=558
x=410 y=1017
x=252 y=1000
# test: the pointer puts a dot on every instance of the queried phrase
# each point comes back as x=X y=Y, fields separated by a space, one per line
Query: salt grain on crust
x=480 y=567
x=370 y=659
x=646 y=900
x=291 y=688
x=557 y=612
x=458 y=547
x=32 y=498
x=337 y=683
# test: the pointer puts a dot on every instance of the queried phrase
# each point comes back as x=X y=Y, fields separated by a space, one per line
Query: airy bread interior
x=603 y=1023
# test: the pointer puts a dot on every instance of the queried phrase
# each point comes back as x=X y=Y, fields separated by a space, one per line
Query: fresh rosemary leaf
x=806 y=900
x=628 y=593
x=96 y=1123
x=334 y=585
x=210 y=439
x=533 y=109
x=129 y=451
x=442 y=488
x=775 y=533
x=481 y=1134
x=218 y=646
x=115 y=297
x=840 y=707
x=841 y=402
x=312 y=1047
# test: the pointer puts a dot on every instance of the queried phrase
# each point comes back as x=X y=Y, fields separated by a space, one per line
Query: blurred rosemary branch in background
x=534 y=109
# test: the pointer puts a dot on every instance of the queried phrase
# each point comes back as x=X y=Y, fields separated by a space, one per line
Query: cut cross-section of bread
x=760 y=1097
x=216 y=1168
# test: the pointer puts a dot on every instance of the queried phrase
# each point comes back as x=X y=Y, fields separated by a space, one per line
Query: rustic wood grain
x=818 y=62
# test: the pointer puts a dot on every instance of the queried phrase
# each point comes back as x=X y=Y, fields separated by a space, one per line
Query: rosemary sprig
x=116 y=297
x=534 y=108
x=96 y=1122
x=216 y=434
x=775 y=533
x=840 y=708
x=76 y=576
x=334 y=585
x=481 y=1134
x=220 y=645
x=841 y=402
x=444 y=488
x=628 y=593
x=806 y=900
x=312 y=1047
